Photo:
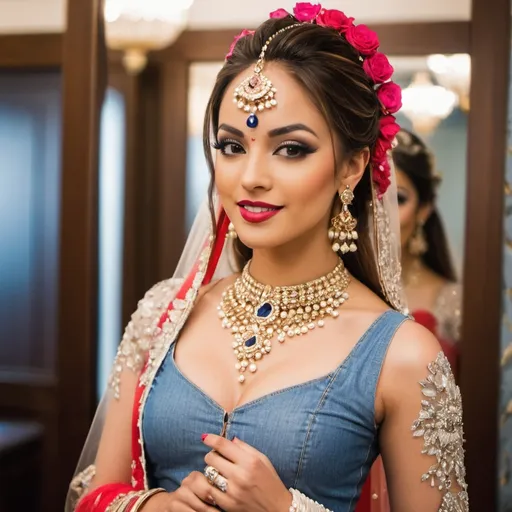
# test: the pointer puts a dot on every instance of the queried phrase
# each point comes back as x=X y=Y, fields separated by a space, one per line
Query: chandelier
x=427 y=104
x=139 y=26
x=454 y=73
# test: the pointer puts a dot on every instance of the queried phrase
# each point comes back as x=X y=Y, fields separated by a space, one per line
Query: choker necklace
x=255 y=312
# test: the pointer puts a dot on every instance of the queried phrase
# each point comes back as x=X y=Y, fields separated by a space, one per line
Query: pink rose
x=390 y=96
x=244 y=33
x=362 y=39
x=334 y=19
x=378 y=68
x=304 y=11
x=280 y=13
x=389 y=127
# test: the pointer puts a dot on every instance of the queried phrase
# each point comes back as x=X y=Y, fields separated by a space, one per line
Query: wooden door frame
x=31 y=51
x=486 y=157
x=84 y=80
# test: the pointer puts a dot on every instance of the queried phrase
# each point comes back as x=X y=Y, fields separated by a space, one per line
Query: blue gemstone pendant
x=252 y=121
x=265 y=310
x=250 y=342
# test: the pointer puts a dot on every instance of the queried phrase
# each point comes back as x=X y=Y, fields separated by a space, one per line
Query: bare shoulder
x=410 y=353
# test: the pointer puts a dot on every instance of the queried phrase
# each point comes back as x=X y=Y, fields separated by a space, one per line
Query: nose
x=256 y=174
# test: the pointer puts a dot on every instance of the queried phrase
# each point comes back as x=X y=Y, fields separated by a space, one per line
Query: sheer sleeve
x=115 y=409
x=448 y=312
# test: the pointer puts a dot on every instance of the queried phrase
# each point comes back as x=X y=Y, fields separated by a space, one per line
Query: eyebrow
x=291 y=128
x=232 y=130
x=276 y=132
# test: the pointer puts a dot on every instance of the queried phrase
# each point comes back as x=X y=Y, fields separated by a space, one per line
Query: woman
x=429 y=277
x=430 y=285
x=275 y=387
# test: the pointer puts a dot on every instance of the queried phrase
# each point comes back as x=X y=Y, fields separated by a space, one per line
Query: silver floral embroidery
x=82 y=480
x=163 y=339
x=139 y=332
x=440 y=425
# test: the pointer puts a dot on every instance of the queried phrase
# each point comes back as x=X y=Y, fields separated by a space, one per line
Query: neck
x=411 y=265
x=298 y=262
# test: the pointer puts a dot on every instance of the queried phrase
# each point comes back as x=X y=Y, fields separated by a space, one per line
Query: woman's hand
x=194 y=495
x=253 y=484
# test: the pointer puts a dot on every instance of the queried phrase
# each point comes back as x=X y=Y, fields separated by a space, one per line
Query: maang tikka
x=343 y=227
x=256 y=93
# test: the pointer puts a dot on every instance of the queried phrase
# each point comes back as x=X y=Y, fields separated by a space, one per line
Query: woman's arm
x=421 y=436
x=111 y=474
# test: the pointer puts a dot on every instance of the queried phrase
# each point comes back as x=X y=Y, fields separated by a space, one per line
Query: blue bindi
x=252 y=121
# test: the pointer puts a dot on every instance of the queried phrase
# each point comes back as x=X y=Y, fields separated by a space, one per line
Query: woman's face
x=408 y=207
x=277 y=181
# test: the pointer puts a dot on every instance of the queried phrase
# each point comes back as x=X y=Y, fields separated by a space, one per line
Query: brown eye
x=229 y=147
x=294 y=150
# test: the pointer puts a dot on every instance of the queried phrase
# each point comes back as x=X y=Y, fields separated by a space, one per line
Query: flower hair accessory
x=256 y=93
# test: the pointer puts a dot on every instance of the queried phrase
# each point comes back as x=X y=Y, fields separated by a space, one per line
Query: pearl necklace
x=255 y=312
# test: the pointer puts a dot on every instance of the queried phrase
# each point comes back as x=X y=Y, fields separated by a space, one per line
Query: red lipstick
x=257 y=211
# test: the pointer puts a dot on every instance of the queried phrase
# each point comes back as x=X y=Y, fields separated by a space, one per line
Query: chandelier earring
x=418 y=244
x=343 y=232
x=231 y=234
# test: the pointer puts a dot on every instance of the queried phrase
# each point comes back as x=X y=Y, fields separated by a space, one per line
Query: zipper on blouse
x=225 y=422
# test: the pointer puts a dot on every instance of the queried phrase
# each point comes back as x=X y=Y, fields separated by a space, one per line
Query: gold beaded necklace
x=255 y=312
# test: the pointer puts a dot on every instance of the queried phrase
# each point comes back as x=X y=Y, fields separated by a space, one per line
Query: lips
x=257 y=211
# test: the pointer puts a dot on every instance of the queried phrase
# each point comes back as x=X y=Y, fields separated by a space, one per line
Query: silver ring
x=215 y=478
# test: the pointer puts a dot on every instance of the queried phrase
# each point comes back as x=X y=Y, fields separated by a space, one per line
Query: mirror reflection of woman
x=428 y=273
x=429 y=277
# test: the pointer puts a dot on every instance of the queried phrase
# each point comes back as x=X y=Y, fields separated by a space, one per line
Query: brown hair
x=412 y=157
x=329 y=68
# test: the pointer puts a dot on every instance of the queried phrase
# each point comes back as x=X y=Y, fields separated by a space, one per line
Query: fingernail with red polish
x=203 y=437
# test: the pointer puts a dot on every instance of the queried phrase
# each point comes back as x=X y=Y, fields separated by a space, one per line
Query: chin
x=261 y=240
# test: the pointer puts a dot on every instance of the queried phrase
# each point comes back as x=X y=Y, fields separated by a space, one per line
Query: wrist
x=285 y=504
x=152 y=500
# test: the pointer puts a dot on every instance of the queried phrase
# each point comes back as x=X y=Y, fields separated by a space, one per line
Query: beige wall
x=32 y=16
x=29 y=16
x=228 y=13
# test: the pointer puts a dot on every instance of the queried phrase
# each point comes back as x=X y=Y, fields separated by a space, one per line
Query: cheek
x=407 y=219
x=225 y=184
x=311 y=185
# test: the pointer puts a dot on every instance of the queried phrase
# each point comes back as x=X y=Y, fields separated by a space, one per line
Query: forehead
x=402 y=180
x=294 y=104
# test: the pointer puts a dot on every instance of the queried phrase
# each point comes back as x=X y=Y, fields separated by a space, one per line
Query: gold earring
x=343 y=227
x=231 y=232
x=418 y=244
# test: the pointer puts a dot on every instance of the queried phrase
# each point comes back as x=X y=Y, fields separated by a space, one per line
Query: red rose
x=381 y=177
x=378 y=68
x=304 y=11
x=280 y=13
x=244 y=33
x=380 y=152
x=390 y=96
x=364 y=40
x=389 y=127
x=334 y=19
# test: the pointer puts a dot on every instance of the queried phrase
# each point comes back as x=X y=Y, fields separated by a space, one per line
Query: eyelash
x=402 y=198
x=303 y=149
